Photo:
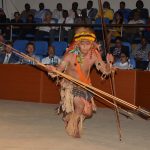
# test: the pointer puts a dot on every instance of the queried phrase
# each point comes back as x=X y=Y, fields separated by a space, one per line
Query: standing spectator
x=42 y=11
x=51 y=59
x=123 y=62
x=57 y=13
x=90 y=11
x=143 y=12
x=74 y=13
x=26 y=12
x=142 y=50
x=8 y=57
x=65 y=31
x=108 y=12
x=125 y=11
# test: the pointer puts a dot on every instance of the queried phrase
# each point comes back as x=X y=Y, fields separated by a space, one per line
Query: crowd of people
x=135 y=57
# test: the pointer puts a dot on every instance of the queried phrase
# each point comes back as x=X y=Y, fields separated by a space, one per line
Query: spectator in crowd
x=132 y=33
x=66 y=31
x=5 y=30
x=148 y=68
x=29 y=29
x=25 y=13
x=1 y=45
x=51 y=59
x=83 y=19
x=42 y=11
x=46 y=30
x=74 y=13
x=58 y=12
x=30 y=49
x=8 y=57
x=16 y=29
x=123 y=62
x=119 y=48
x=142 y=50
x=115 y=31
x=143 y=12
x=90 y=11
x=125 y=11
x=107 y=11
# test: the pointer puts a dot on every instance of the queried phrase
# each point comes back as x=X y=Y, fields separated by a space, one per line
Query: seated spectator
x=30 y=49
x=142 y=50
x=8 y=57
x=16 y=29
x=58 y=12
x=66 y=31
x=125 y=11
x=123 y=62
x=1 y=45
x=143 y=12
x=74 y=13
x=42 y=11
x=5 y=30
x=132 y=33
x=25 y=13
x=90 y=11
x=46 y=30
x=51 y=59
x=29 y=29
x=118 y=49
x=107 y=11
x=115 y=31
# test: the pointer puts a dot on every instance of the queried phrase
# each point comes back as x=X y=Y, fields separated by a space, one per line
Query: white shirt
x=121 y=65
x=46 y=28
x=57 y=14
x=72 y=13
x=55 y=60
x=68 y=21
x=7 y=57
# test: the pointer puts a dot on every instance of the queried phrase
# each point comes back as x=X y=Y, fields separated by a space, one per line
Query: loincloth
x=68 y=93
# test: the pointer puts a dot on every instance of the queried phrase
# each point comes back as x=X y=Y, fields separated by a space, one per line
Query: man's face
x=30 y=49
x=118 y=43
x=51 y=52
x=85 y=46
x=8 y=48
x=122 y=6
x=89 y=5
x=123 y=58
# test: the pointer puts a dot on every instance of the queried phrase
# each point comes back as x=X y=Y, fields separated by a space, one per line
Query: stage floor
x=34 y=126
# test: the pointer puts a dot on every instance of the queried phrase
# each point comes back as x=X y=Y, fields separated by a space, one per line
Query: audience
x=42 y=11
x=107 y=11
x=90 y=11
x=25 y=13
x=119 y=48
x=74 y=13
x=1 y=45
x=125 y=11
x=30 y=49
x=8 y=57
x=123 y=62
x=58 y=12
x=142 y=50
x=51 y=59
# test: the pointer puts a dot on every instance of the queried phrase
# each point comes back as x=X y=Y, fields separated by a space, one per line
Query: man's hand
x=110 y=58
x=51 y=71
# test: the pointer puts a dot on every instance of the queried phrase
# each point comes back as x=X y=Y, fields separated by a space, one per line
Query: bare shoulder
x=68 y=57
